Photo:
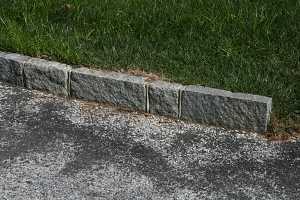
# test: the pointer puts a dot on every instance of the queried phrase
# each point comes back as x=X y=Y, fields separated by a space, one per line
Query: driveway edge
x=194 y=103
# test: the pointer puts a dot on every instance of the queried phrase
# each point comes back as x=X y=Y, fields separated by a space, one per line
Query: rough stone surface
x=226 y=109
x=11 y=68
x=53 y=148
x=47 y=76
x=164 y=98
x=200 y=104
x=116 y=88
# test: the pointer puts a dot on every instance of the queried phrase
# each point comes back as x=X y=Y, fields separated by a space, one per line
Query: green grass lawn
x=250 y=46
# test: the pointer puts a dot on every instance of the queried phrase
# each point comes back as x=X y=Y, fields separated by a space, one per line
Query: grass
x=250 y=46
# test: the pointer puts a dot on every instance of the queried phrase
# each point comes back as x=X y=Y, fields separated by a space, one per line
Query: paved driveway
x=53 y=148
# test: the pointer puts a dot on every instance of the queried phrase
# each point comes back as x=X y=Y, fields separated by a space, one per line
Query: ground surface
x=53 y=148
x=249 y=46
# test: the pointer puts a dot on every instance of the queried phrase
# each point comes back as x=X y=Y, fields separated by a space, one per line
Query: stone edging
x=194 y=103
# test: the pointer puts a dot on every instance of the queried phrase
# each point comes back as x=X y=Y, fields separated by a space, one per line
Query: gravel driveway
x=57 y=148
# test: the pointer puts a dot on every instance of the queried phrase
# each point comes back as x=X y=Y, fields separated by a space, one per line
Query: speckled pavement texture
x=54 y=148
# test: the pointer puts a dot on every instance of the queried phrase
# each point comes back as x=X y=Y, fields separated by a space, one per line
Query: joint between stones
x=68 y=83
x=23 y=77
x=179 y=95
x=147 y=105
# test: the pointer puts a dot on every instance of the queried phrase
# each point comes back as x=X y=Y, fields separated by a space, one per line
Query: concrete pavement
x=54 y=148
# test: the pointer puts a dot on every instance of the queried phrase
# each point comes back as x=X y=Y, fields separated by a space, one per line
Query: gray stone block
x=111 y=87
x=227 y=109
x=47 y=75
x=164 y=98
x=11 y=68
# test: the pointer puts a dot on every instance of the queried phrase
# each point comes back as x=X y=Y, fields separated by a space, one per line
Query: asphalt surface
x=55 y=148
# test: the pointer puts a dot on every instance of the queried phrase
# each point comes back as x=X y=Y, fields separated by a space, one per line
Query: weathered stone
x=164 y=98
x=227 y=109
x=11 y=68
x=111 y=87
x=196 y=103
x=46 y=75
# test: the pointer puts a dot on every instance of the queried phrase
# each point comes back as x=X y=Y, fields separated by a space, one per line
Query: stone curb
x=110 y=87
x=223 y=108
x=194 y=103
x=11 y=68
x=46 y=75
x=164 y=98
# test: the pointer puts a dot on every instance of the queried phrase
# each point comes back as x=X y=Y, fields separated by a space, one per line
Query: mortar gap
x=179 y=101
x=147 y=106
x=23 y=77
x=69 y=83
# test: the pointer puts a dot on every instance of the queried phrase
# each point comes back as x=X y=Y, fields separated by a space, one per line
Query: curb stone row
x=194 y=103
